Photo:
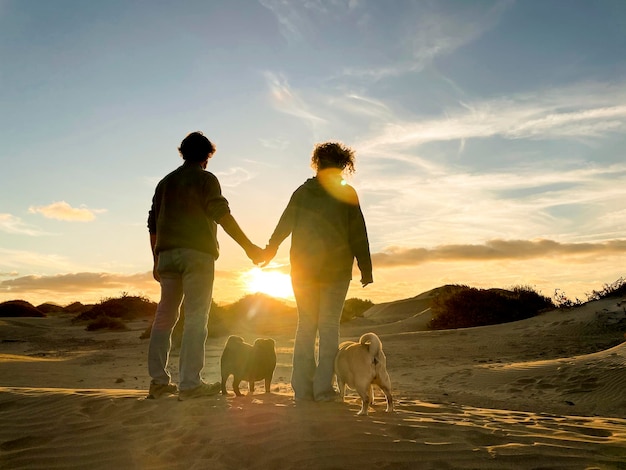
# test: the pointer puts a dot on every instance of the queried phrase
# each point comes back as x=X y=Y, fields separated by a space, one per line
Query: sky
x=489 y=136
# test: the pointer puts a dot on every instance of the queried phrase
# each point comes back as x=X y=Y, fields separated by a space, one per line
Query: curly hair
x=196 y=147
x=333 y=155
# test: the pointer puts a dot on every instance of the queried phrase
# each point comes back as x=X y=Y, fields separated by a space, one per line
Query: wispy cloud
x=582 y=112
x=33 y=261
x=61 y=210
x=14 y=225
x=9 y=274
x=275 y=144
x=234 y=177
x=457 y=206
x=497 y=250
x=287 y=101
x=431 y=33
x=297 y=20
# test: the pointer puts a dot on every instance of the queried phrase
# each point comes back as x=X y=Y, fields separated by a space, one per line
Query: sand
x=543 y=393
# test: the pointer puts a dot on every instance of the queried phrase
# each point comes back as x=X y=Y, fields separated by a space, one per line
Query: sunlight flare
x=268 y=281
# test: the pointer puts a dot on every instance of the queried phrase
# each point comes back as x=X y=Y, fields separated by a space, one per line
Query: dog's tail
x=373 y=343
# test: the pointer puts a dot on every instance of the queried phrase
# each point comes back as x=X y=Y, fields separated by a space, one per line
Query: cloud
x=433 y=33
x=287 y=101
x=234 y=177
x=63 y=211
x=275 y=144
x=85 y=285
x=493 y=250
x=14 y=225
x=582 y=112
x=298 y=20
x=76 y=282
x=9 y=274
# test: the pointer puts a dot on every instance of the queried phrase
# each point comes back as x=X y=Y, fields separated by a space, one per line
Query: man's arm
x=155 y=257
x=232 y=228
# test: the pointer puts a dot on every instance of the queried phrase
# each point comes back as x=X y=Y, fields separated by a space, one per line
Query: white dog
x=359 y=365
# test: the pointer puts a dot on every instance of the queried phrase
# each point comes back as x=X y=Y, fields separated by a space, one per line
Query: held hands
x=261 y=256
x=256 y=254
x=268 y=254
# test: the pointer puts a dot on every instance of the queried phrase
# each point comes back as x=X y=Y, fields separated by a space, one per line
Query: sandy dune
x=547 y=392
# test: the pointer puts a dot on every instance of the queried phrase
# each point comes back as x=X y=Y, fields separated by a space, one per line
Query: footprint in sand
x=25 y=442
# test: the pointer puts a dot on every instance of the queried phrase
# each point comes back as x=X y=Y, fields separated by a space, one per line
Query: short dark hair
x=333 y=155
x=196 y=147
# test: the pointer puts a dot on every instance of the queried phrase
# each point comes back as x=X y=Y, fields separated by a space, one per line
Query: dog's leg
x=224 y=379
x=268 y=383
x=236 y=382
x=251 y=386
x=341 y=385
x=364 y=390
x=384 y=382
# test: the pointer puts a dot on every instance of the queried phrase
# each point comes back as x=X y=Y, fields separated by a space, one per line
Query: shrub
x=353 y=308
x=258 y=313
x=125 y=307
x=615 y=289
x=50 y=308
x=562 y=301
x=105 y=322
x=464 y=307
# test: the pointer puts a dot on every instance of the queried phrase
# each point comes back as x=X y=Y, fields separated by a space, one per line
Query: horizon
x=489 y=137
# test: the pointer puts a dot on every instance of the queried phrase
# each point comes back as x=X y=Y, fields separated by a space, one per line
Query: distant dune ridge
x=544 y=392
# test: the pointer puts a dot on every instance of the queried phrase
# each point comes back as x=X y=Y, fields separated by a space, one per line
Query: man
x=186 y=208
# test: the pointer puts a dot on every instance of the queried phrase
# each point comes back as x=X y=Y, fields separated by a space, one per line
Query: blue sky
x=489 y=135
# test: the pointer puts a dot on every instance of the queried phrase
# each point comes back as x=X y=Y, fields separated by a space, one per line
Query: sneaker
x=158 y=390
x=202 y=390
x=328 y=397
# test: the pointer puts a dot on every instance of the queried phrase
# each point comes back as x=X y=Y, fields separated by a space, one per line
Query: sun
x=268 y=281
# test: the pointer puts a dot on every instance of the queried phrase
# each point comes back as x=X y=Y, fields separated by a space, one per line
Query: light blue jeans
x=185 y=274
x=319 y=312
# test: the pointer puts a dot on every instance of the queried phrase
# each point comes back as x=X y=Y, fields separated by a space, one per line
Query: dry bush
x=125 y=308
x=465 y=307
x=353 y=308
x=615 y=289
x=105 y=322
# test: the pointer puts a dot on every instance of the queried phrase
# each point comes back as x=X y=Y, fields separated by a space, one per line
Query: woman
x=327 y=233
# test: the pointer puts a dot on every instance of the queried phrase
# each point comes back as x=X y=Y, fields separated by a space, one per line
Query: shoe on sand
x=329 y=397
x=158 y=390
x=202 y=390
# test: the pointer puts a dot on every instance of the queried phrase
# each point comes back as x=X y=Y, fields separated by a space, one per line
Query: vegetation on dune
x=105 y=322
x=615 y=289
x=50 y=308
x=354 y=308
x=464 y=307
x=120 y=309
x=453 y=306
x=19 y=308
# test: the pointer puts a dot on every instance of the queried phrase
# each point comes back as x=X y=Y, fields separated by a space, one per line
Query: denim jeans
x=186 y=275
x=319 y=311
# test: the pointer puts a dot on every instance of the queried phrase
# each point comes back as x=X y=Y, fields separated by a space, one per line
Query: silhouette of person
x=186 y=208
x=328 y=232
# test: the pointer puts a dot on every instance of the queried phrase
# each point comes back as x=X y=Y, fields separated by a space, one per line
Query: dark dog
x=359 y=366
x=248 y=362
